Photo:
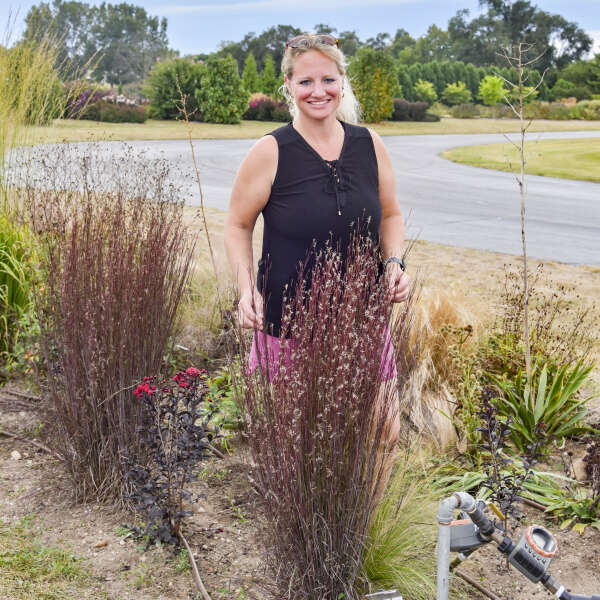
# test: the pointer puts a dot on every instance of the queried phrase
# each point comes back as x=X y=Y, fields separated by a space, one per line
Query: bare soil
x=227 y=532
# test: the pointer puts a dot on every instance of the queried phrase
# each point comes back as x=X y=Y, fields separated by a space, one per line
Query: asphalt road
x=443 y=202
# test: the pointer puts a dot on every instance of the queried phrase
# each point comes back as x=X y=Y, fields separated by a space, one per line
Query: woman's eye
x=305 y=82
x=329 y=80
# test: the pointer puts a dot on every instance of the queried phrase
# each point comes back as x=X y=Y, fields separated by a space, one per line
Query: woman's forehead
x=314 y=62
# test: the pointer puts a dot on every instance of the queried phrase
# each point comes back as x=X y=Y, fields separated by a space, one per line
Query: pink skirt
x=387 y=365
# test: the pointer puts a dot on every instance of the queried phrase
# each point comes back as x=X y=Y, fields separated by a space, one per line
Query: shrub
x=269 y=82
x=425 y=92
x=375 y=80
x=114 y=266
x=456 y=93
x=318 y=436
x=15 y=281
x=221 y=97
x=561 y=89
x=408 y=111
x=167 y=83
x=250 y=76
x=78 y=105
x=174 y=438
x=465 y=111
x=491 y=90
x=113 y=112
x=265 y=108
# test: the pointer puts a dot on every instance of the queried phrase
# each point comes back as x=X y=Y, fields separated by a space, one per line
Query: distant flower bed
x=106 y=106
x=264 y=108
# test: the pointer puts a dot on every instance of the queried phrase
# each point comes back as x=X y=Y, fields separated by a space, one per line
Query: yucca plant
x=15 y=277
x=552 y=405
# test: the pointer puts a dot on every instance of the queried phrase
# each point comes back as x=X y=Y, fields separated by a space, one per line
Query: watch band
x=395 y=259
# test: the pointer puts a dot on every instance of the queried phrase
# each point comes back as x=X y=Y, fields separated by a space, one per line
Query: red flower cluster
x=181 y=380
x=144 y=388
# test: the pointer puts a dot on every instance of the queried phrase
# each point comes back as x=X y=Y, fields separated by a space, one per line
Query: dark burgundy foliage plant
x=115 y=259
x=503 y=478
x=319 y=438
x=175 y=436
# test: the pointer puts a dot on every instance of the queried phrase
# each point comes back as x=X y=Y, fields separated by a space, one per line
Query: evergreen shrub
x=221 y=96
x=408 y=111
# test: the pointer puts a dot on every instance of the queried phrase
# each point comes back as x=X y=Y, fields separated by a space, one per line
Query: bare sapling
x=517 y=59
x=185 y=113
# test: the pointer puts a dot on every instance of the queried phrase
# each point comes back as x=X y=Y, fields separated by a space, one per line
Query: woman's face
x=316 y=85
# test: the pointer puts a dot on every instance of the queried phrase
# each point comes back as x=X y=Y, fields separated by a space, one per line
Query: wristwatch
x=395 y=259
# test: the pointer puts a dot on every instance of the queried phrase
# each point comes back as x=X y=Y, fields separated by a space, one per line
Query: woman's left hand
x=398 y=283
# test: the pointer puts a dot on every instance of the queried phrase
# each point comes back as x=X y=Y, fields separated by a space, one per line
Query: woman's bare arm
x=250 y=193
x=391 y=230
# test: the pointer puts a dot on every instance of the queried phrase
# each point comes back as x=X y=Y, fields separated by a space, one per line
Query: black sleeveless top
x=314 y=202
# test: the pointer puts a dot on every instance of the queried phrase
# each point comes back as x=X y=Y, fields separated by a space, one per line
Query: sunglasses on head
x=304 y=40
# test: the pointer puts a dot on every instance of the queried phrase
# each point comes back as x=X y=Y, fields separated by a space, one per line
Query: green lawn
x=75 y=131
x=570 y=159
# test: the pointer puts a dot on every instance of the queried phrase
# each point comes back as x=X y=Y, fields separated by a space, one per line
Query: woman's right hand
x=250 y=310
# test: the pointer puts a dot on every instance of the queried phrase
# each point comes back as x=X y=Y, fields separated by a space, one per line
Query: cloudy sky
x=200 y=25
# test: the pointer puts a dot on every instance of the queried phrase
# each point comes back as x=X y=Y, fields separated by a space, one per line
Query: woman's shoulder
x=283 y=134
x=356 y=130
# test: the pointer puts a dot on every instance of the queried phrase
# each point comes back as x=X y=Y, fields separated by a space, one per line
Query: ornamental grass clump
x=320 y=430
x=115 y=260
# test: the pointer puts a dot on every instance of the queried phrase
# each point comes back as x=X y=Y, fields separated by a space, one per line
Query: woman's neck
x=319 y=131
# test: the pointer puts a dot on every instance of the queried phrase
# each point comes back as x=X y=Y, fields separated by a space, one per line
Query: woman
x=312 y=180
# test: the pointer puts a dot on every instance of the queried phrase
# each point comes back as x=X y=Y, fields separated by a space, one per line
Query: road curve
x=444 y=202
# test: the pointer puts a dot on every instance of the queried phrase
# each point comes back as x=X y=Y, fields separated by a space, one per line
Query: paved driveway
x=442 y=201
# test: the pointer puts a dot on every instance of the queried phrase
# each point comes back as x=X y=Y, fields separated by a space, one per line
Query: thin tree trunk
x=523 y=194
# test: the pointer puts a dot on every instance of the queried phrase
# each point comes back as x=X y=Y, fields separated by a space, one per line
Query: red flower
x=193 y=372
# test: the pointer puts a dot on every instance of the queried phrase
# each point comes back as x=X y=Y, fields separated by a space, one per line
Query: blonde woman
x=312 y=180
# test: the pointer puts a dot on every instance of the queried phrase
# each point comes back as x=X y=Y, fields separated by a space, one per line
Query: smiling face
x=316 y=85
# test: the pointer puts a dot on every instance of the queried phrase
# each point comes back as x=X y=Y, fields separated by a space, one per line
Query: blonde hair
x=349 y=109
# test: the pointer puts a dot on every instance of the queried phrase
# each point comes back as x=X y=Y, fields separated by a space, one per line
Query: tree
x=434 y=45
x=349 y=42
x=456 y=93
x=405 y=82
x=69 y=24
x=508 y=23
x=122 y=40
x=425 y=92
x=271 y=41
x=379 y=42
x=375 y=81
x=324 y=28
x=269 y=83
x=251 y=78
x=221 y=97
x=167 y=83
x=491 y=90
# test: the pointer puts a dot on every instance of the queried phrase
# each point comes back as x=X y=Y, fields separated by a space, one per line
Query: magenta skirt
x=272 y=350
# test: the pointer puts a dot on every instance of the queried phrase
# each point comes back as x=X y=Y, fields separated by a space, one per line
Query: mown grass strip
x=568 y=159
x=65 y=130
x=29 y=569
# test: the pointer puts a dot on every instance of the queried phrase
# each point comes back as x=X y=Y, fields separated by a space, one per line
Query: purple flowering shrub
x=264 y=108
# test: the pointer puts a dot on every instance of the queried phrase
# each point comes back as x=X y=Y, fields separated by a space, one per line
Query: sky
x=197 y=26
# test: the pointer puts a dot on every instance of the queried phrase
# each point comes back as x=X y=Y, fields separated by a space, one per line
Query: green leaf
x=579 y=527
